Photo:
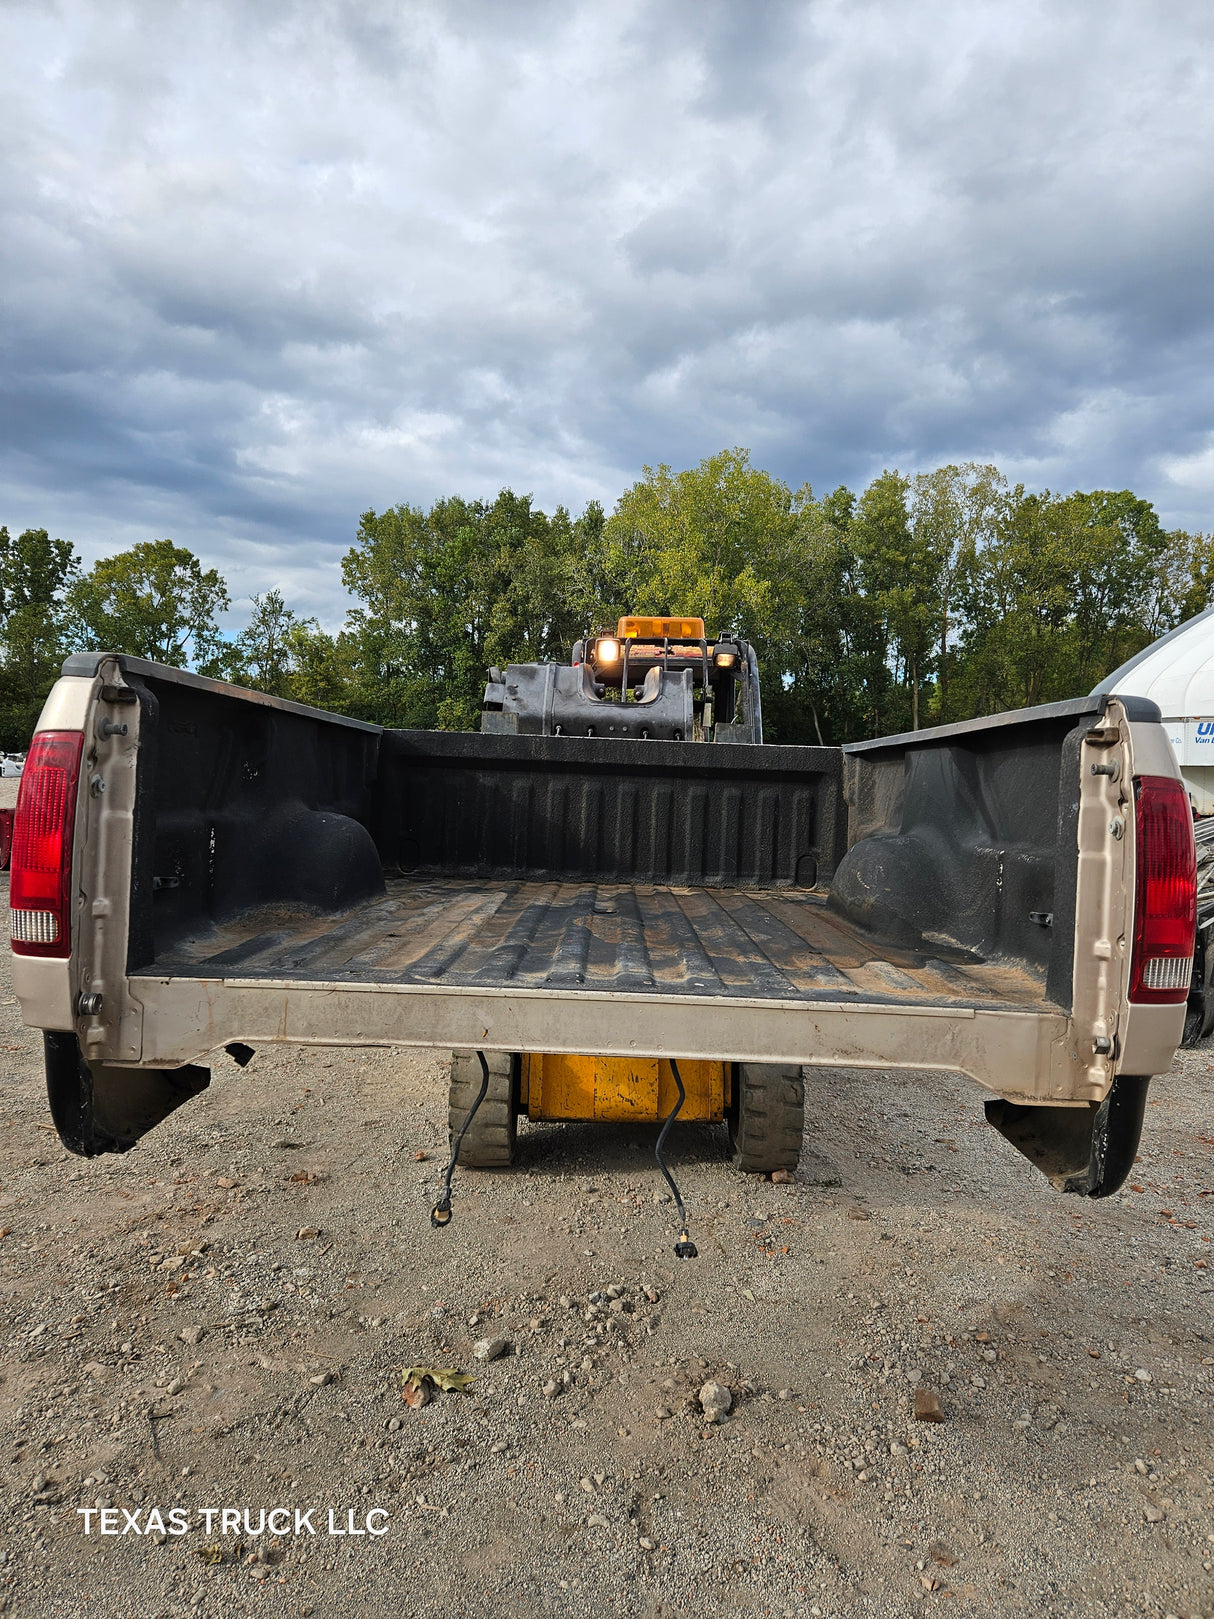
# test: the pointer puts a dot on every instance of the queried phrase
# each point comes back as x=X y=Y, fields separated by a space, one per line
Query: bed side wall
x=969 y=841
x=244 y=804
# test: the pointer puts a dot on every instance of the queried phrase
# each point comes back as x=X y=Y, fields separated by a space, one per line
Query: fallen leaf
x=420 y=1157
x=417 y=1380
x=854 y=1212
x=939 y=1553
x=210 y=1555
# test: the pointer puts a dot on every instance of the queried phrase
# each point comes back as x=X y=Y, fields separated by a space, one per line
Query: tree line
x=919 y=600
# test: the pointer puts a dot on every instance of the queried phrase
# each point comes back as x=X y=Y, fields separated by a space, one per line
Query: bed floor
x=770 y=944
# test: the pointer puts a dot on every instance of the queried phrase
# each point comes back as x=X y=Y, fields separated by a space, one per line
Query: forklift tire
x=489 y=1143
x=766 y=1116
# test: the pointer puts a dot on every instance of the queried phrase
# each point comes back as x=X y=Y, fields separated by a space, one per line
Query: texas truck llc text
x=278 y=1521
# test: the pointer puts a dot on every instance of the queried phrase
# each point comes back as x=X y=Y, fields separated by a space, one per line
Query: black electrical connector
x=440 y=1214
x=684 y=1248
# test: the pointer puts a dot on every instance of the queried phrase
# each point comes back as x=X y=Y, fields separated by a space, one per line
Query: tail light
x=1165 y=897
x=40 y=882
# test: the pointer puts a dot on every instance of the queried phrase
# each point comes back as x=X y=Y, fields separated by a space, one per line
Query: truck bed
x=249 y=872
x=750 y=943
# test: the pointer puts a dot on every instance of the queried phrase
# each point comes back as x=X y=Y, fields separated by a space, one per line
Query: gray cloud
x=264 y=267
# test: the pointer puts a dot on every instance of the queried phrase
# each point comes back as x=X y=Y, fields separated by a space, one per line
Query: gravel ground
x=220 y=1318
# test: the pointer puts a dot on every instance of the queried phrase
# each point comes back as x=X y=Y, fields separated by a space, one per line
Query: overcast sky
x=264 y=266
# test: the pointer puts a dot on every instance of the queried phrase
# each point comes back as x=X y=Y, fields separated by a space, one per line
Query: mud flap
x=1088 y=1149
x=107 y=1109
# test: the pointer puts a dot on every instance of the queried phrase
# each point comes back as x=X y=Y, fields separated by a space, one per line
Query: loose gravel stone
x=927 y=1407
x=491 y=1348
x=715 y=1401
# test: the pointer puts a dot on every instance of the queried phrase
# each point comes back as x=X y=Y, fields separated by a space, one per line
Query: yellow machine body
x=633 y=1089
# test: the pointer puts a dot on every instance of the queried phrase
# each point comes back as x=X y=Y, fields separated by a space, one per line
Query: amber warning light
x=41 y=874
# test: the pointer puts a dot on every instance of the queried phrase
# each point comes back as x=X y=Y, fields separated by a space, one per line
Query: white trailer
x=1177 y=673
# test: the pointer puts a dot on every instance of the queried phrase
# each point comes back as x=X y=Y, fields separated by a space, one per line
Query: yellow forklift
x=664 y=679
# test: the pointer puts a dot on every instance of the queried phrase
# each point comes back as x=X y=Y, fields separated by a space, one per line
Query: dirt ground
x=220 y=1318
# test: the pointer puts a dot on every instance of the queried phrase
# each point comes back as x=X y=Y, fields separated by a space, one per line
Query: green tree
x=325 y=671
x=718 y=541
x=901 y=576
x=262 y=655
x=1066 y=589
x=593 y=595
x=726 y=542
x=955 y=512
x=1184 y=581
x=836 y=684
x=447 y=592
x=35 y=573
x=154 y=601
x=1118 y=546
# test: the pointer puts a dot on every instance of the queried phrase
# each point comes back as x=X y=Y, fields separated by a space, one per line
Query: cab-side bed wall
x=692 y=815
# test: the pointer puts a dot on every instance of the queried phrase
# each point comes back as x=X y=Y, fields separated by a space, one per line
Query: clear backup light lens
x=35 y=927
x=1162 y=972
x=41 y=868
x=1165 y=894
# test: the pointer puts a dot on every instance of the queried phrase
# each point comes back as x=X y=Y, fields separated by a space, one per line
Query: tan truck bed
x=246 y=871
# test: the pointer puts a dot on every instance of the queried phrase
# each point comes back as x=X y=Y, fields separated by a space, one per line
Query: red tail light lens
x=40 y=883
x=1165 y=898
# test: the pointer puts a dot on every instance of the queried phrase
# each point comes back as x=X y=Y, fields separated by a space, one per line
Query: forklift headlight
x=725 y=660
x=607 y=651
